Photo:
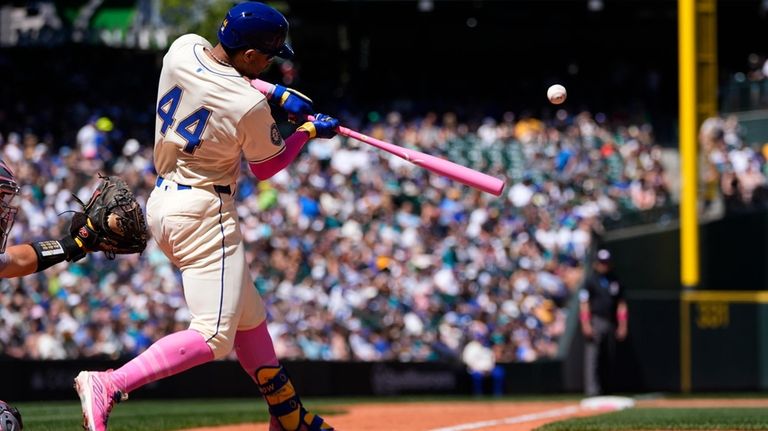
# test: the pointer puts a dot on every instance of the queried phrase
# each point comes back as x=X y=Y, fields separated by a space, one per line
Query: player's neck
x=218 y=55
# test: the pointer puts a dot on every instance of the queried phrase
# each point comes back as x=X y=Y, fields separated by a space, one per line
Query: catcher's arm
x=49 y=253
x=18 y=261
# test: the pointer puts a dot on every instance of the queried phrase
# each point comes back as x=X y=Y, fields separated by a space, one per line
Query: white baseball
x=556 y=94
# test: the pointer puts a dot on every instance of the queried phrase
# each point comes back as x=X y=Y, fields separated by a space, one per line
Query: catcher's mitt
x=112 y=221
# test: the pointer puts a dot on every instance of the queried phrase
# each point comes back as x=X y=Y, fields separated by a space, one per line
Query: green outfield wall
x=713 y=338
x=723 y=340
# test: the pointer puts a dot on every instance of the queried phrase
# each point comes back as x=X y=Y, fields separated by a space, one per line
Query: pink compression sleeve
x=169 y=355
x=263 y=86
x=255 y=350
x=293 y=145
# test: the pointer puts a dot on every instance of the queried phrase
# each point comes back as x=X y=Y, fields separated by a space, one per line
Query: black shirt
x=603 y=292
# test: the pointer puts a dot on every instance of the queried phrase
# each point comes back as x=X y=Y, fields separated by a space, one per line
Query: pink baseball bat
x=434 y=164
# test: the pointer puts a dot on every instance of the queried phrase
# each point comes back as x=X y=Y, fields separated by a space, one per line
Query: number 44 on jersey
x=190 y=128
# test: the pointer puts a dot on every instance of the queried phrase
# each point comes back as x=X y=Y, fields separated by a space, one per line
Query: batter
x=209 y=116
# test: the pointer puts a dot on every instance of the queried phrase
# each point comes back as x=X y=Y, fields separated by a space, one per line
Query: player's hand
x=296 y=104
x=82 y=231
x=586 y=329
x=323 y=126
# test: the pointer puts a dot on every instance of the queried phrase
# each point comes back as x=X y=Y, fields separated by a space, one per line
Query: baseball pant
x=198 y=230
x=599 y=355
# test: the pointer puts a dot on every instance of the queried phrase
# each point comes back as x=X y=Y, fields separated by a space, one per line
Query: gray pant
x=599 y=356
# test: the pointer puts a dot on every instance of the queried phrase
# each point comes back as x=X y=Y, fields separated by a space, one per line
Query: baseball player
x=208 y=118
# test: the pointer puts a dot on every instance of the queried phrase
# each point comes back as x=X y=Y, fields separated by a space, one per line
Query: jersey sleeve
x=259 y=136
x=583 y=295
x=585 y=291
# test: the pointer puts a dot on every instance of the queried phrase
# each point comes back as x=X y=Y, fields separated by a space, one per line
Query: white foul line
x=512 y=420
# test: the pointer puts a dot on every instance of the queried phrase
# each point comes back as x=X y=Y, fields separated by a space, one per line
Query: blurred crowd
x=359 y=255
x=734 y=170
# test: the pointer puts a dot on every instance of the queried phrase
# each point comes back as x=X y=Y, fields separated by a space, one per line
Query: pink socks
x=255 y=350
x=170 y=355
x=183 y=350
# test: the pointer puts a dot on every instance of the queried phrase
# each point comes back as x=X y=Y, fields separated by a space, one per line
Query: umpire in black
x=603 y=315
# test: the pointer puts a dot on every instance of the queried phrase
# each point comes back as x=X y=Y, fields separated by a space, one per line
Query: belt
x=217 y=188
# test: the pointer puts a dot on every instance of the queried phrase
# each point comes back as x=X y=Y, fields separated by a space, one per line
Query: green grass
x=724 y=395
x=152 y=415
x=668 y=419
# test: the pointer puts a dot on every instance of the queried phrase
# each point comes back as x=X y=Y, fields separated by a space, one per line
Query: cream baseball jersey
x=201 y=134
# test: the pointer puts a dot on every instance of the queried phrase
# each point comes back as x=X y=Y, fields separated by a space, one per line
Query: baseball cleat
x=97 y=396
x=309 y=422
x=288 y=414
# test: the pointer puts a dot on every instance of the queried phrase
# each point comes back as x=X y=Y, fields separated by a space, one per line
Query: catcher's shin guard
x=284 y=405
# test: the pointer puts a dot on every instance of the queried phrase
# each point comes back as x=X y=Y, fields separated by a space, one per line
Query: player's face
x=602 y=266
x=252 y=62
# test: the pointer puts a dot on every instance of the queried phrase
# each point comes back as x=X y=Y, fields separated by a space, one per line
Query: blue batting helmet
x=255 y=25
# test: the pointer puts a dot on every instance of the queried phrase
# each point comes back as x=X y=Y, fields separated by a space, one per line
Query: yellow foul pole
x=689 y=226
